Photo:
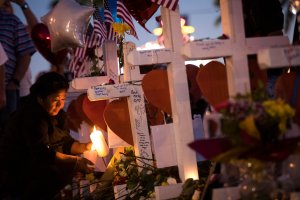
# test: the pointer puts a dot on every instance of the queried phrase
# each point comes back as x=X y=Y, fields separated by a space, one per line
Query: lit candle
x=99 y=143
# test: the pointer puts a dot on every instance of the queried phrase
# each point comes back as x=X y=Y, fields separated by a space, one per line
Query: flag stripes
x=123 y=13
x=170 y=4
x=108 y=20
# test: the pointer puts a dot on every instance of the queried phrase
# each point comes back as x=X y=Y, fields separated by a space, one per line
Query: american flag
x=90 y=39
x=171 y=4
x=123 y=13
x=94 y=37
x=77 y=60
x=108 y=19
x=77 y=63
x=99 y=28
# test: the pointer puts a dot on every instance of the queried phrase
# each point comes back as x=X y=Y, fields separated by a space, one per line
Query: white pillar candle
x=99 y=143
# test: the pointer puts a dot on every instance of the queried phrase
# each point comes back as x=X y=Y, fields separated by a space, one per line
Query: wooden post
x=179 y=93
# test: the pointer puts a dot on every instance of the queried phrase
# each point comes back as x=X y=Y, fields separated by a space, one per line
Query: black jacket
x=27 y=152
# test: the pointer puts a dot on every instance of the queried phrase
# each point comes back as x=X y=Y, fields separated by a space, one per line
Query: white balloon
x=67 y=23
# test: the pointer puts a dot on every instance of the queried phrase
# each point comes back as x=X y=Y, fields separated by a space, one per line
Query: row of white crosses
x=183 y=128
x=235 y=50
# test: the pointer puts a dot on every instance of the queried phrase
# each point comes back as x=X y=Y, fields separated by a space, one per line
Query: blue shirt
x=15 y=41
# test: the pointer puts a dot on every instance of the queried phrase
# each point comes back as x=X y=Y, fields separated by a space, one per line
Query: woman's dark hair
x=49 y=83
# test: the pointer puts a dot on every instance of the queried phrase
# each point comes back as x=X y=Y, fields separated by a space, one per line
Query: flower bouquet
x=253 y=139
x=253 y=126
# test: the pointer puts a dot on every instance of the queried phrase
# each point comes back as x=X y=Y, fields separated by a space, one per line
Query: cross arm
x=149 y=57
x=207 y=49
x=96 y=93
x=257 y=43
x=279 y=57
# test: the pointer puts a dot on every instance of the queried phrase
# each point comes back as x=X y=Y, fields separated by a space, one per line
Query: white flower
x=121 y=166
x=123 y=157
x=123 y=173
x=171 y=180
x=68 y=187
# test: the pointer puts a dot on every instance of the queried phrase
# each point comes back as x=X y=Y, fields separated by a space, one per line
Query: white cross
x=179 y=92
x=137 y=112
x=179 y=95
x=235 y=49
x=279 y=57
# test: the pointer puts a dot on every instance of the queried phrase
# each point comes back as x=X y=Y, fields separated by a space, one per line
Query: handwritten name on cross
x=137 y=112
x=182 y=121
x=235 y=49
x=162 y=136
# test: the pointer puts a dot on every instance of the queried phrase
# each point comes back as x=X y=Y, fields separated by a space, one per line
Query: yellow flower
x=90 y=177
x=121 y=28
x=282 y=127
x=164 y=183
x=249 y=126
x=290 y=112
x=280 y=111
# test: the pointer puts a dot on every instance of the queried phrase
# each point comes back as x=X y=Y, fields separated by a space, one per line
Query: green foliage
x=140 y=179
x=95 y=70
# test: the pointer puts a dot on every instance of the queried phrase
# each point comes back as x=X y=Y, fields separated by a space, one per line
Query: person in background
x=19 y=48
x=38 y=156
x=31 y=20
x=3 y=59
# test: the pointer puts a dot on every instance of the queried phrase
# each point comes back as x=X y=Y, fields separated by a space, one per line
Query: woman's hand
x=84 y=165
x=89 y=146
x=79 y=148
x=77 y=163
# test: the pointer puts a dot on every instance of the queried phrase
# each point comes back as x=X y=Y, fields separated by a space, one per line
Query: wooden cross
x=179 y=92
x=287 y=85
x=278 y=57
x=235 y=49
x=133 y=60
x=137 y=112
x=179 y=95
